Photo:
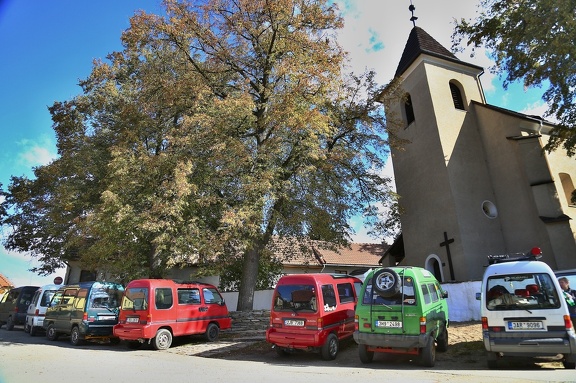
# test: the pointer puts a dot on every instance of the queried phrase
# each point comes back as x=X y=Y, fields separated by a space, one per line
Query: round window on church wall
x=489 y=209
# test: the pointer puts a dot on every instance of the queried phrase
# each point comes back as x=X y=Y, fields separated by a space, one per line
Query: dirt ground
x=465 y=351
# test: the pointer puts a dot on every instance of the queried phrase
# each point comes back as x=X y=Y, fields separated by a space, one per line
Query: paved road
x=35 y=359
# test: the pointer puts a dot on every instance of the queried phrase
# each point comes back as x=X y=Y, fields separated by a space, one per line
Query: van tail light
x=37 y=312
x=422 y=325
x=484 y=323
x=320 y=321
x=567 y=322
x=356 y=323
x=86 y=319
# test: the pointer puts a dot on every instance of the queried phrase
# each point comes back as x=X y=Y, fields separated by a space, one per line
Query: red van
x=312 y=312
x=156 y=310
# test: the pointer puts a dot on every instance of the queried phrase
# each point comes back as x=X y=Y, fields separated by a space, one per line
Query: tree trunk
x=249 y=278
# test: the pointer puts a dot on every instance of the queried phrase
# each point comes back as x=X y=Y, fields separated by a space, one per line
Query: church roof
x=419 y=42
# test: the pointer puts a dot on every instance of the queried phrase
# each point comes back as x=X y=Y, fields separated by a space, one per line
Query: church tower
x=473 y=179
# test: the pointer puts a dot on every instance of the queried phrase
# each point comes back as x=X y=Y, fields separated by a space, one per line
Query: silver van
x=524 y=313
x=37 y=308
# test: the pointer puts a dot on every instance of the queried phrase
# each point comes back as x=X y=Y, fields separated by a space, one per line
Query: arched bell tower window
x=457 y=96
x=408 y=109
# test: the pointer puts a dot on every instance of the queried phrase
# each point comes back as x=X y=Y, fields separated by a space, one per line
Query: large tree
x=532 y=41
x=221 y=124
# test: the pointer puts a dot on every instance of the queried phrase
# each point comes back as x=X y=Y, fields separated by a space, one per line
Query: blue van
x=85 y=311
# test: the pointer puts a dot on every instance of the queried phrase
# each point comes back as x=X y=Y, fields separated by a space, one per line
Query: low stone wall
x=250 y=322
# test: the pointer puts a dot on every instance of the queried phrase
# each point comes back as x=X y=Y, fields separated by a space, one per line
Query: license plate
x=106 y=317
x=388 y=323
x=292 y=322
x=525 y=326
x=132 y=320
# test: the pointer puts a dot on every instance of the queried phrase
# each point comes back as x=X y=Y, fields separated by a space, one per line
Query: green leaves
x=532 y=41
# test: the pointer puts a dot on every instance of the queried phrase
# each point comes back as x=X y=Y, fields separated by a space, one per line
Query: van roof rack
x=533 y=255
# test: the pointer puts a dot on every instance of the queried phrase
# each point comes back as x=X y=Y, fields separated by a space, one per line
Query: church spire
x=411 y=8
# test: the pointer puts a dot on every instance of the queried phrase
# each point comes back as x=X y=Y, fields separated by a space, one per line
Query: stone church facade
x=473 y=179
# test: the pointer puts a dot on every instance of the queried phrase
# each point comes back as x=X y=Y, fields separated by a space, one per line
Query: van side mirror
x=445 y=294
x=478 y=296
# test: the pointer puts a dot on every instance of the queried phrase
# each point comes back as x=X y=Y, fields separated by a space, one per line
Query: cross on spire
x=411 y=8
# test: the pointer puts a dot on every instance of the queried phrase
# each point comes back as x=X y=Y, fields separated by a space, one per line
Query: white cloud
x=36 y=153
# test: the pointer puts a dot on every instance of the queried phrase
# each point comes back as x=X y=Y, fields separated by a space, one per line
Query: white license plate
x=132 y=320
x=525 y=326
x=388 y=323
x=106 y=317
x=292 y=322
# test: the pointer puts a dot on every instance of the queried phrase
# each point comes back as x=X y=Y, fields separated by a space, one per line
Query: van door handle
x=203 y=309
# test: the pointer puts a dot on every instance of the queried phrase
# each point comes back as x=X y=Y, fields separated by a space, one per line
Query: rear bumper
x=531 y=344
x=391 y=341
x=134 y=333
x=295 y=340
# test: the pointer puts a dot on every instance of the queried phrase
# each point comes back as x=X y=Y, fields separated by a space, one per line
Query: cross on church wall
x=447 y=243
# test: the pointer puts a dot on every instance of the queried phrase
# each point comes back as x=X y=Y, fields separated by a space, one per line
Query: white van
x=37 y=308
x=523 y=311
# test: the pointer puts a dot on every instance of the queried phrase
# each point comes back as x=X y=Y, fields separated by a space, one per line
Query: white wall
x=462 y=303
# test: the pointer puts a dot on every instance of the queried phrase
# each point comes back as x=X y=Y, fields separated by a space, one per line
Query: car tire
x=281 y=351
x=365 y=355
x=330 y=347
x=133 y=345
x=428 y=353
x=51 y=333
x=442 y=339
x=10 y=323
x=75 y=337
x=386 y=282
x=162 y=340
x=27 y=328
x=33 y=331
x=569 y=365
x=212 y=332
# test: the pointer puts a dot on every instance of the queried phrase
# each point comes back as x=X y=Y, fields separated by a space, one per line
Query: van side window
x=426 y=293
x=80 y=301
x=345 y=292
x=211 y=295
x=68 y=296
x=47 y=297
x=57 y=298
x=433 y=292
x=188 y=296
x=329 y=295
x=163 y=298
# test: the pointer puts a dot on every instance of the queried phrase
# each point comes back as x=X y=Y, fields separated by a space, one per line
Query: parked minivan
x=524 y=313
x=37 y=308
x=312 y=312
x=402 y=310
x=14 y=304
x=85 y=311
x=157 y=310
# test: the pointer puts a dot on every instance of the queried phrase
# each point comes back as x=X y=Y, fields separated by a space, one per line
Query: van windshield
x=105 y=295
x=135 y=298
x=530 y=291
x=295 y=298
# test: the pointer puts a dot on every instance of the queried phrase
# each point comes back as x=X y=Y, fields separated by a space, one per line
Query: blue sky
x=47 y=46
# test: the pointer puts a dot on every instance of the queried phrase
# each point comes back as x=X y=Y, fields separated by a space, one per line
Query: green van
x=85 y=311
x=401 y=310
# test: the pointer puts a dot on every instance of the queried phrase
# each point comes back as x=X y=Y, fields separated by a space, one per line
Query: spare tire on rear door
x=386 y=282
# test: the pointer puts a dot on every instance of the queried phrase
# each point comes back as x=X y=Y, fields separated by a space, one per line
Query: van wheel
x=133 y=345
x=27 y=327
x=75 y=337
x=365 y=355
x=281 y=351
x=330 y=348
x=51 y=333
x=10 y=324
x=442 y=340
x=33 y=331
x=428 y=353
x=569 y=365
x=386 y=282
x=162 y=340
x=212 y=332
